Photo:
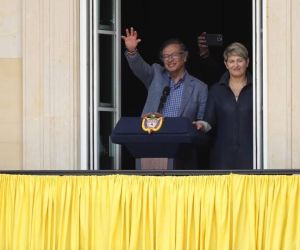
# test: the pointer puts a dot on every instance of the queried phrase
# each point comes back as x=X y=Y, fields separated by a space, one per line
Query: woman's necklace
x=237 y=87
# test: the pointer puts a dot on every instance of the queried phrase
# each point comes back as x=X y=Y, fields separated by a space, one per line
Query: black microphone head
x=166 y=91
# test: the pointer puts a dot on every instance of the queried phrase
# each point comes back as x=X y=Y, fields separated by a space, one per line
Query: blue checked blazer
x=155 y=78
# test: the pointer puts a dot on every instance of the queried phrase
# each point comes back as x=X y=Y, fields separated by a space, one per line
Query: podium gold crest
x=152 y=122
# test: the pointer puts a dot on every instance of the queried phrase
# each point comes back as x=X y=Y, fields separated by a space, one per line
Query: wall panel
x=50 y=87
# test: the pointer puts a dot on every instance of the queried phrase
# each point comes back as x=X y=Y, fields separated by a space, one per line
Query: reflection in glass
x=106 y=148
x=106 y=73
x=106 y=14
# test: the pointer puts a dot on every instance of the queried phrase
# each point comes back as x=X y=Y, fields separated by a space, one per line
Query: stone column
x=50 y=84
x=283 y=74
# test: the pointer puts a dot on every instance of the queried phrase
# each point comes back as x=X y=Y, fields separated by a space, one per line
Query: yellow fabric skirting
x=144 y=212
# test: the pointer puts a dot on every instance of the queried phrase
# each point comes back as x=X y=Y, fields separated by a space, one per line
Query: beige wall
x=10 y=85
x=283 y=75
x=39 y=82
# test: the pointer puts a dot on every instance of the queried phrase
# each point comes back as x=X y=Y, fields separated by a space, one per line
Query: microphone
x=163 y=98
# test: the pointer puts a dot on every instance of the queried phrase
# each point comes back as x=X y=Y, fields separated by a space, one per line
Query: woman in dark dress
x=228 y=116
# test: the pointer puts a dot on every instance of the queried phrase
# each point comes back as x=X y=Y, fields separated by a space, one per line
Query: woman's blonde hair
x=235 y=49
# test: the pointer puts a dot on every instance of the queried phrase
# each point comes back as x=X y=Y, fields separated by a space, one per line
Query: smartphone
x=214 y=39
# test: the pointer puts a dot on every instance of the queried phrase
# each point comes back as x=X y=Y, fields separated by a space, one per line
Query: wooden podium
x=153 y=163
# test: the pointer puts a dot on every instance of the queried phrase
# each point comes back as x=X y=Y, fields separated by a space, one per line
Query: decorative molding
x=295 y=69
x=50 y=84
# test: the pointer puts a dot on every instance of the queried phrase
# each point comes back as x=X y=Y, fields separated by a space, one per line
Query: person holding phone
x=228 y=115
x=206 y=64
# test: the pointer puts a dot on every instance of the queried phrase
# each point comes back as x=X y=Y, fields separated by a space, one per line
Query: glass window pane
x=106 y=14
x=106 y=70
x=106 y=148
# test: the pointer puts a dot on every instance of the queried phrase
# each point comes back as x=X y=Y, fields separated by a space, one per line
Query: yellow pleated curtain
x=148 y=212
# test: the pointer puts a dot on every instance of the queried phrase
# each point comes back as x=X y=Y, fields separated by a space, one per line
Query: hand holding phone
x=214 y=39
x=202 y=46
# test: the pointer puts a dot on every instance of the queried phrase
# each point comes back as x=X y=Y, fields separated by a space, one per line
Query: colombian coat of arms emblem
x=152 y=122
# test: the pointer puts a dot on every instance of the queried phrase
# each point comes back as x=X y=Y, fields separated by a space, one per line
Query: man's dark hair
x=172 y=41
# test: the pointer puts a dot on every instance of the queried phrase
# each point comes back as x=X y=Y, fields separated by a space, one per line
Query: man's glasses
x=172 y=56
